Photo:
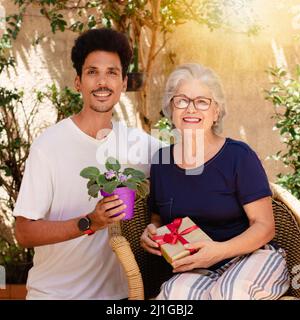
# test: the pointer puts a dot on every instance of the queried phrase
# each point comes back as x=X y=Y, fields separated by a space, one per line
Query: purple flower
x=122 y=177
x=110 y=174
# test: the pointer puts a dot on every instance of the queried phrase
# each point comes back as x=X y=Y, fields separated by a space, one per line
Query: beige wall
x=240 y=61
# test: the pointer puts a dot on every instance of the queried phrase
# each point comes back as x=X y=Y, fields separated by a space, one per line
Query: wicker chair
x=146 y=272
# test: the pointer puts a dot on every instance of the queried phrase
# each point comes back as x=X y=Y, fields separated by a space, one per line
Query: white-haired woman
x=221 y=185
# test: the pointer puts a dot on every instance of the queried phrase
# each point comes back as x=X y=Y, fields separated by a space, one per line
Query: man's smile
x=102 y=93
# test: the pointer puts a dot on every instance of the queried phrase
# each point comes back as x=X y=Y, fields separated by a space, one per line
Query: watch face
x=84 y=224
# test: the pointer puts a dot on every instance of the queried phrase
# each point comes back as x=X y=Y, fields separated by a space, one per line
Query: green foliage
x=163 y=124
x=16 y=261
x=285 y=96
x=15 y=140
x=131 y=17
x=16 y=136
x=13 y=25
x=57 y=22
x=14 y=143
x=66 y=101
x=164 y=127
x=112 y=178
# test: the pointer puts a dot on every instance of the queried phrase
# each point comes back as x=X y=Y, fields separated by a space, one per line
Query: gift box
x=172 y=238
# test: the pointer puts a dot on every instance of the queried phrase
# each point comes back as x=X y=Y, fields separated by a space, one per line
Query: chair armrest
x=114 y=229
x=122 y=249
x=288 y=199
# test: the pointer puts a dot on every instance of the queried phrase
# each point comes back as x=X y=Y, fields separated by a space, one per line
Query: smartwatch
x=84 y=225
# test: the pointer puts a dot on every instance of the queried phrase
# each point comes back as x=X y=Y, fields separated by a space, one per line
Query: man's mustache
x=102 y=90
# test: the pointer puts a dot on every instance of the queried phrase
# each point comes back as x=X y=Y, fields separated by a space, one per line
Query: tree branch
x=165 y=40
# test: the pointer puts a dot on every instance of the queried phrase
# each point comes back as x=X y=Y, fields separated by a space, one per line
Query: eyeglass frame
x=191 y=100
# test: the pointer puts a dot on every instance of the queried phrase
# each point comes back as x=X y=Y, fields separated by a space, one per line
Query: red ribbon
x=174 y=236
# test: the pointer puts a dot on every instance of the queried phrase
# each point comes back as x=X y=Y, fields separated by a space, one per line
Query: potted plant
x=124 y=183
x=135 y=79
x=15 y=263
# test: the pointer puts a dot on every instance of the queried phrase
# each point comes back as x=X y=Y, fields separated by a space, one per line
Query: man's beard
x=102 y=109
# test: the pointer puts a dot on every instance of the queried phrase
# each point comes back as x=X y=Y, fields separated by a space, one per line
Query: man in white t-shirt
x=73 y=259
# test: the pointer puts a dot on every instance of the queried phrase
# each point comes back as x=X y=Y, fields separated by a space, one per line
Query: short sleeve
x=36 y=192
x=251 y=179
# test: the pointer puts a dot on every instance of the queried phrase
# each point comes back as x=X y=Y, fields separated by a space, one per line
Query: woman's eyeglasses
x=200 y=103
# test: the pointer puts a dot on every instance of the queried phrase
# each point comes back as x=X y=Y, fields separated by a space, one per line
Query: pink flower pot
x=127 y=196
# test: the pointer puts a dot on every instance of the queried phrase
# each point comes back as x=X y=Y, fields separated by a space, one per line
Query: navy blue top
x=213 y=198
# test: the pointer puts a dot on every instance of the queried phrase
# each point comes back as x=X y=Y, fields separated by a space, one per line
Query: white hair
x=196 y=71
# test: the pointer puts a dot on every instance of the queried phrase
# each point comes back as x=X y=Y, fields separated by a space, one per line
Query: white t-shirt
x=52 y=189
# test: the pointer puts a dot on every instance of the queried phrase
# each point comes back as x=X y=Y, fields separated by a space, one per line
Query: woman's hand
x=210 y=252
x=147 y=243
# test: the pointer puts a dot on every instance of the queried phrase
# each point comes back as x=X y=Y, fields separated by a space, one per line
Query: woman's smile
x=192 y=120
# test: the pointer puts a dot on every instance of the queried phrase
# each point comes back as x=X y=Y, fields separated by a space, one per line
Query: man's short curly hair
x=103 y=39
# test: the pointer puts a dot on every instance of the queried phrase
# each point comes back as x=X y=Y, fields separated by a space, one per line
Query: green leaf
x=91 y=21
x=109 y=187
x=61 y=25
x=277 y=100
x=112 y=164
x=7 y=170
x=128 y=171
x=282 y=73
x=101 y=180
x=134 y=180
x=90 y=173
x=90 y=183
x=93 y=190
x=137 y=174
x=130 y=184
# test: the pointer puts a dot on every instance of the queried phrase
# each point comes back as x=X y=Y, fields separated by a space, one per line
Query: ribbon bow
x=174 y=236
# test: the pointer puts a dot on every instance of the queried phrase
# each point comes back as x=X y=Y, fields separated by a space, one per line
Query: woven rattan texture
x=155 y=270
x=288 y=237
